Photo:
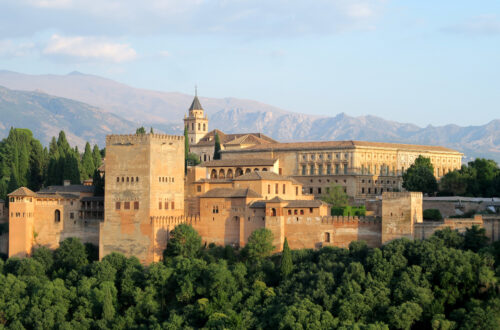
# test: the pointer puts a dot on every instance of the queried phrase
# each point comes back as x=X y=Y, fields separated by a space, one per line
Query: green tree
x=286 y=265
x=193 y=159
x=420 y=176
x=87 y=167
x=98 y=183
x=140 y=130
x=453 y=183
x=96 y=156
x=259 y=244
x=70 y=255
x=184 y=241
x=475 y=238
x=217 y=147
x=335 y=196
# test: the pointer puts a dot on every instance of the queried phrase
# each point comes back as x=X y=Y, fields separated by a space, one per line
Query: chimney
x=66 y=182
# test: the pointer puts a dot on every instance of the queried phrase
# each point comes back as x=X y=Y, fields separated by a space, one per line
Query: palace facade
x=258 y=183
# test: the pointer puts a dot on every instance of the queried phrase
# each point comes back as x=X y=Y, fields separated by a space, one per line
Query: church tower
x=196 y=122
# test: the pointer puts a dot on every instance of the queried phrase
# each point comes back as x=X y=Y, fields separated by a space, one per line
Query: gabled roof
x=230 y=193
x=209 y=138
x=196 y=105
x=22 y=191
x=247 y=139
x=240 y=162
x=264 y=175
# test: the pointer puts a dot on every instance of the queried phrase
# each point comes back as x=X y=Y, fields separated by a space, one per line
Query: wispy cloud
x=11 y=48
x=480 y=25
x=89 y=48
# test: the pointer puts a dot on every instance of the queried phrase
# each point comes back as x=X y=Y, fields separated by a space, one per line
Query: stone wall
x=449 y=206
x=144 y=179
x=400 y=211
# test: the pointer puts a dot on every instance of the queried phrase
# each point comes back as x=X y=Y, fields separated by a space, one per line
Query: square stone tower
x=196 y=122
x=400 y=211
x=144 y=181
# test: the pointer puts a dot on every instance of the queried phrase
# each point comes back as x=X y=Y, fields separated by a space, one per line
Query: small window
x=284 y=188
x=57 y=216
x=310 y=190
x=123 y=179
x=327 y=237
x=173 y=206
x=117 y=205
x=301 y=212
x=289 y=212
x=296 y=191
x=198 y=188
x=268 y=188
x=310 y=210
x=126 y=205
x=117 y=179
x=136 y=179
x=71 y=215
x=128 y=179
x=166 y=205
x=276 y=188
x=136 y=205
x=319 y=190
x=160 y=205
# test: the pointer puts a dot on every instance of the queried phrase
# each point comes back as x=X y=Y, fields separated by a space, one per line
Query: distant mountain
x=46 y=115
x=165 y=110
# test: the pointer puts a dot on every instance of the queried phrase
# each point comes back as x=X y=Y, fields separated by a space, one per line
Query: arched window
x=268 y=188
x=199 y=127
x=204 y=127
x=229 y=174
x=192 y=126
x=301 y=212
x=213 y=175
x=57 y=216
x=221 y=174
x=248 y=171
x=264 y=169
x=204 y=158
x=327 y=237
x=255 y=169
x=273 y=212
x=239 y=172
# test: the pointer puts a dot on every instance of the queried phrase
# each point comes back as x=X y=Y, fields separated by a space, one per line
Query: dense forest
x=449 y=281
x=25 y=162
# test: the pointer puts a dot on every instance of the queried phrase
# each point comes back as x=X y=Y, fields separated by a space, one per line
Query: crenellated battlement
x=401 y=194
x=140 y=138
x=350 y=219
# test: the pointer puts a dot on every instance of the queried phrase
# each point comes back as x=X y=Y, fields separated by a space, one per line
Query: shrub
x=432 y=214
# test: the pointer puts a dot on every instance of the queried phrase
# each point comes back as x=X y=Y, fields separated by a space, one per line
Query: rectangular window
x=268 y=188
x=71 y=215
x=284 y=188
x=117 y=205
x=311 y=171
x=303 y=170
x=126 y=206
x=345 y=168
x=296 y=191
x=329 y=169
x=276 y=188
x=336 y=168
x=136 y=205
x=198 y=188
x=166 y=205
x=280 y=171
x=320 y=169
x=363 y=190
x=173 y=206
x=160 y=205
x=319 y=190
x=310 y=190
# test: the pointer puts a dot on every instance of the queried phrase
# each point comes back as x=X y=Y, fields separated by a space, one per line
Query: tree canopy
x=420 y=176
x=448 y=281
x=217 y=148
x=335 y=196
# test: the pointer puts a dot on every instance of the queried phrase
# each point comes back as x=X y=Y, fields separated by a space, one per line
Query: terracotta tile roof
x=57 y=195
x=230 y=193
x=73 y=188
x=23 y=191
x=264 y=175
x=341 y=145
x=240 y=162
x=209 y=138
x=247 y=139
x=290 y=203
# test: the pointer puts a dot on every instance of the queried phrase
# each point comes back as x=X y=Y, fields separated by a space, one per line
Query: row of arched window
x=299 y=211
x=168 y=179
x=18 y=214
x=222 y=174
x=127 y=205
x=127 y=179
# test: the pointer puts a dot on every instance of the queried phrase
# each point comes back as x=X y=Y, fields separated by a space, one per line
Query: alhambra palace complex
x=257 y=183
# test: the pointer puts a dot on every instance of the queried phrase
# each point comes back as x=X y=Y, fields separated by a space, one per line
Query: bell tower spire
x=196 y=121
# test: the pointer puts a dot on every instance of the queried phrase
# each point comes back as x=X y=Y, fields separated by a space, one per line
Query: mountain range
x=87 y=107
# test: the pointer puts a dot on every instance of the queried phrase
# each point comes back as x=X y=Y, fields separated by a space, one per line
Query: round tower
x=196 y=122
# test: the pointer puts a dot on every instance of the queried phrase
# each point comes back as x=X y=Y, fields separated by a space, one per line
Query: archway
x=213 y=175
x=229 y=174
x=273 y=212
x=222 y=174
x=239 y=172
x=248 y=171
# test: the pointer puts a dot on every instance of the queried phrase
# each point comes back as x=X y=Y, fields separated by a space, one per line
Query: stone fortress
x=257 y=183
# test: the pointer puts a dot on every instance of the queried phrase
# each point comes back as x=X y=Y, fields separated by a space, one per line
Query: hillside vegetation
x=449 y=281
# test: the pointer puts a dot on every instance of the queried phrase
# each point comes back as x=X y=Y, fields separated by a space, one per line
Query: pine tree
x=87 y=167
x=96 y=156
x=286 y=266
x=217 y=147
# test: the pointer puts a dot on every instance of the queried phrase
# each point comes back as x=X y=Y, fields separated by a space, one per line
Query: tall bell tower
x=196 y=122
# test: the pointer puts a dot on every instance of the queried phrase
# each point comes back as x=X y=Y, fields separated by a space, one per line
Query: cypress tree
x=87 y=166
x=98 y=183
x=286 y=266
x=13 y=184
x=217 y=147
x=96 y=156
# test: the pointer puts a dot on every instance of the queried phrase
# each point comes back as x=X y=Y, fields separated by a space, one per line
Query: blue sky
x=419 y=61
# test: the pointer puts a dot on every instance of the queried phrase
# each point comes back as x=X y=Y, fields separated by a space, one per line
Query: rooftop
x=257 y=138
x=289 y=203
x=350 y=144
x=264 y=175
x=230 y=193
x=23 y=191
x=240 y=162
x=73 y=188
x=196 y=105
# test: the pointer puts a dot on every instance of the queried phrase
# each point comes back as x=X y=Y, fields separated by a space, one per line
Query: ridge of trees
x=449 y=281
x=25 y=162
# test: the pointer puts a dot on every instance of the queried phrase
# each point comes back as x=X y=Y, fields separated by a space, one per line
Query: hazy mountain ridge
x=45 y=115
x=165 y=111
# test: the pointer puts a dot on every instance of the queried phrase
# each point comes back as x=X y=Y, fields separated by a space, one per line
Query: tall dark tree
x=96 y=156
x=286 y=265
x=217 y=146
x=87 y=168
x=140 y=130
x=420 y=176
x=98 y=183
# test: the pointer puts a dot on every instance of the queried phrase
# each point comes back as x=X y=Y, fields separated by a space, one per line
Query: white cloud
x=10 y=48
x=51 y=3
x=360 y=10
x=89 y=48
x=164 y=53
